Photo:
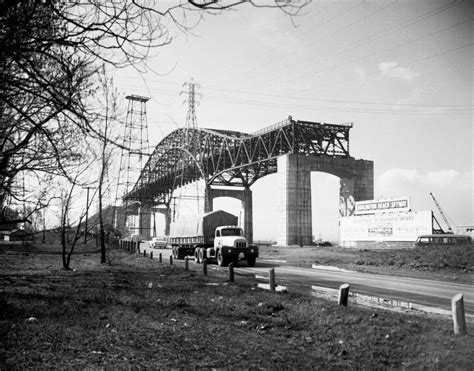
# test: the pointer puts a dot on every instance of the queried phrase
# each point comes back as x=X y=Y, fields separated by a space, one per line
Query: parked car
x=443 y=239
x=159 y=242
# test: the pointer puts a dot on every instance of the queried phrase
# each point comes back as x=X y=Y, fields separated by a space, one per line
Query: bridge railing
x=272 y=127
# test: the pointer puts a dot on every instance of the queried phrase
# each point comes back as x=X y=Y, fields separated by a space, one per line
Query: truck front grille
x=240 y=244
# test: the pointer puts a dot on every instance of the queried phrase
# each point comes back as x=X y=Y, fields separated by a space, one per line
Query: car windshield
x=231 y=232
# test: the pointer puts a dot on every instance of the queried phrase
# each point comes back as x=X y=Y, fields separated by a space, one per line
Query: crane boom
x=450 y=229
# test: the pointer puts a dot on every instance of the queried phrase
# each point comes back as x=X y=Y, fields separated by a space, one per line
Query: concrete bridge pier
x=144 y=221
x=244 y=195
x=145 y=228
x=294 y=189
x=167 y=213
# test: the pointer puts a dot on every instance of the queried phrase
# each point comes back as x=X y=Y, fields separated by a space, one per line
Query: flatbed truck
x=213 y=236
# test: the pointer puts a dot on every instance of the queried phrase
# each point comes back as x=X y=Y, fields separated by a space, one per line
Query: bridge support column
x=208 y=199
x=144 y=221
x=295 y=219
x=247 y=205
x=167 y=213
x=245 y=196
x=294 y=176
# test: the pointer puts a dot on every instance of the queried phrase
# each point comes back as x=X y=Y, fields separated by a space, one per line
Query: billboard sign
x=382 y=205
x=402 y=226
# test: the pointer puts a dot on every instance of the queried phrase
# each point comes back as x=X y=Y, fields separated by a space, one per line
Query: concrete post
x=343 y=294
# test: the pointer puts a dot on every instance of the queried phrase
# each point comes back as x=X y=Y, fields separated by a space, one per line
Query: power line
x=391 y=48
x=357 y=43
x=174 y=93
x=431 y=56
x=266 y=61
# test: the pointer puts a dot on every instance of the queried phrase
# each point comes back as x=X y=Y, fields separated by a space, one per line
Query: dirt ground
x=143 y=314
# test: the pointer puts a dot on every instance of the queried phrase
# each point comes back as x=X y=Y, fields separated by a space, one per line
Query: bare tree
x=108 y=98
x=67 y=193
x=49 y=54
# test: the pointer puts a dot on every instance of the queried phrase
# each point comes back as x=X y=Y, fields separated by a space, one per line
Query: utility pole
x=87 y=215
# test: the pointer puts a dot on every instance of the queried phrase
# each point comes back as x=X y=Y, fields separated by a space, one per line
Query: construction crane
x=450 y=229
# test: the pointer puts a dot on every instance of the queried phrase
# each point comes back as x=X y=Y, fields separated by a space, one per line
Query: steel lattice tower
x=191 y=143
x=191 y=119
x=134 y=154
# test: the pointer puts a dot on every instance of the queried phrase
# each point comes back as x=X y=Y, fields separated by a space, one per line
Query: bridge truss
x=231 y=158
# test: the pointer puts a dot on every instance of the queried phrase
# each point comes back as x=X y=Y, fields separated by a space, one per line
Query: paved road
x=419 y=291
x=430 y=293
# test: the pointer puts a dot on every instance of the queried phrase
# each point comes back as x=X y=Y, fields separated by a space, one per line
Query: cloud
x=392 y=69
x=452 y=189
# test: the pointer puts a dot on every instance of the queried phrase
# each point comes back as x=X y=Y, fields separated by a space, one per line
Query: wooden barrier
x=271 y=279
x=231 y=272
x=343 y=294
x=459 y=319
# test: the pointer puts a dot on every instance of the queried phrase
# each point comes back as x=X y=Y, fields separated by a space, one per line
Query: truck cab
x=228 y=236
x=230 y=245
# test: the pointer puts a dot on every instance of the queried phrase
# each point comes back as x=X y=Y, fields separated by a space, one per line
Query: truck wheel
x=251 y=261
x=220 y=259
x=202 y=254
x=196 y=256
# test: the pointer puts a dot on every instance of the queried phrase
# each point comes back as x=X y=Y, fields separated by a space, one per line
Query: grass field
x=137 y=313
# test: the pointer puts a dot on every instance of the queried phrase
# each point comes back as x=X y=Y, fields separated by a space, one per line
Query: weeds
x=138 y=313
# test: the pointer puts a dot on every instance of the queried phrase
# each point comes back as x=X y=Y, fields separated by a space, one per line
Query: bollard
x=144 y=253
x=171 y=259
x=138 y=246
x=231 y=272
x=204 y=267
x=160 y=257
x=271 y=279
x=343 y=294
x=459 y=319
x=151 y=254
x=186 y=263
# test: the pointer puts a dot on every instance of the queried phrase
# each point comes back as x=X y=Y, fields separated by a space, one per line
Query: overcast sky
x=401 y=71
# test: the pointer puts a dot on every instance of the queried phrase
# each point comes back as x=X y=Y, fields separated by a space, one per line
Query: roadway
x=421 y=292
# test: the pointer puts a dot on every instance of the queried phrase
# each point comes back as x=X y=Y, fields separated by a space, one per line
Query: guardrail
x=342 y=295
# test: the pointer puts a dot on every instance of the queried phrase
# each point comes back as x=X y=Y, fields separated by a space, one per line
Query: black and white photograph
x=237 y=184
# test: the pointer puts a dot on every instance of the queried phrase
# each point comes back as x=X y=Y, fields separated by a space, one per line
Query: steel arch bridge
x=231 y=158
